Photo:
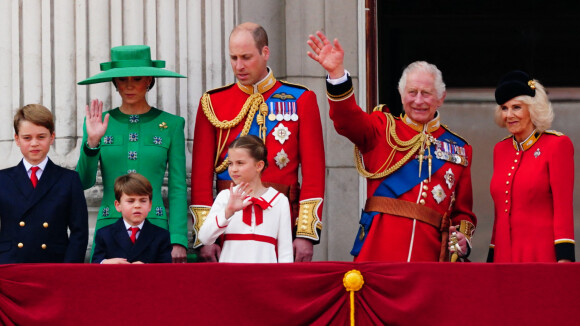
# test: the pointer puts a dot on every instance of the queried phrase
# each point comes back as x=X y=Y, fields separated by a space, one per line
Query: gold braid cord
x=254 y=103
x=412 y=146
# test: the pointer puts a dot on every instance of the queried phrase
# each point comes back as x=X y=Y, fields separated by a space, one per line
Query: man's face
x=419 y=97
x=248 y=64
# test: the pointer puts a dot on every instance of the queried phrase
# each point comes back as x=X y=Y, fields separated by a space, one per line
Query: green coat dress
x=147 y=144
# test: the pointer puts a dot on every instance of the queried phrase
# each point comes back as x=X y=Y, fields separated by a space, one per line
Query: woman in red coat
x=533 y=178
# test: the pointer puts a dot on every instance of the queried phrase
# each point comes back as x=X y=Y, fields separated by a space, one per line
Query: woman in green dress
x=136 y=137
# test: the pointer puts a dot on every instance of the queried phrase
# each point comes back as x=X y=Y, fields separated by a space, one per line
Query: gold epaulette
x=447 y=128
x=199 y=213
x=308 y=224
x=221 y=88
x=554 y=132
x=293 y=84
x=379 y=108
x=506 y=137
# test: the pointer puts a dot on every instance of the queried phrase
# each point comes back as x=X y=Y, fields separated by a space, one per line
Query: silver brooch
x=537 y=153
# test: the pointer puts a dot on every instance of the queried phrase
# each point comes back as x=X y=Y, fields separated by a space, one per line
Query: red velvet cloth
x=288 y=294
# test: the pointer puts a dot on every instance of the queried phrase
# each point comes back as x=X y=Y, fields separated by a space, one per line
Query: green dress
x=147 y=144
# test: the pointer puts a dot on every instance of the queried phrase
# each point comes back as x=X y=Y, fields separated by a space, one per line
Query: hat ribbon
x=132 y=63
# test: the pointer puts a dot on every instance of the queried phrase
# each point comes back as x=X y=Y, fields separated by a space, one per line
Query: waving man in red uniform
x=285 y=116
x=418 y=172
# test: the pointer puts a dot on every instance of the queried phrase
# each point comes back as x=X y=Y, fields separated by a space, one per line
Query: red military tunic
x=291 y=145
x=532 y=190
x=392 y=237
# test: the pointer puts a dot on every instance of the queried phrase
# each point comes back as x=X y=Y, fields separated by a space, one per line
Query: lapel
x=21 y=180
x=146 y=235
x=50 y=176
x=121 y=237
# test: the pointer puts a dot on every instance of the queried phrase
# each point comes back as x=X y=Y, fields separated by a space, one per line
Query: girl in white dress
x=254 y=219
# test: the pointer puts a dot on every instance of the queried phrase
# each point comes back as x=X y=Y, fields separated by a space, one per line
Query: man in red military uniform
x=418 y=172
x=284 y=115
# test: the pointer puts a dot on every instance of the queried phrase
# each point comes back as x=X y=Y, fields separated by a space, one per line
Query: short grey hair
x=541 y=112
x=426 y=67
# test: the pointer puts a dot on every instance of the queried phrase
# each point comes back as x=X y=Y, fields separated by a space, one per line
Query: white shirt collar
x=127 y=225
x=41 y=165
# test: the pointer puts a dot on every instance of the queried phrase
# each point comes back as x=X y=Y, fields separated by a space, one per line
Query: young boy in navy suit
x=40 y=202
x=132 y=239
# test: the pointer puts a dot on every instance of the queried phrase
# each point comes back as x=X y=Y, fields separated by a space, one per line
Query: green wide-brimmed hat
x=130 y=61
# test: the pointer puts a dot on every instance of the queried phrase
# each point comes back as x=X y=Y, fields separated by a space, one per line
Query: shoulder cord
x=254 y=103
x=412 y=146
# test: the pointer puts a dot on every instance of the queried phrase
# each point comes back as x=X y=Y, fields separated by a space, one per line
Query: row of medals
x=445 y=151
x=285 y=111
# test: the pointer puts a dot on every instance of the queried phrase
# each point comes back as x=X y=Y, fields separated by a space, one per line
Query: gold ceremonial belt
x=405 y=209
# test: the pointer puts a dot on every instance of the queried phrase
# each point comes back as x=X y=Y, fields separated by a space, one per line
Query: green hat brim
x=107 y=76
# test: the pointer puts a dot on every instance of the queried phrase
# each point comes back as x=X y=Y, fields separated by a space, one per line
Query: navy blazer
x=152 y=246
x=35 y=221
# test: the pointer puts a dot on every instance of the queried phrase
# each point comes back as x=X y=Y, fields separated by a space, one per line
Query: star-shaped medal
x=281 y=133
x=438 y=193
x=281 y=159
x=449 y=178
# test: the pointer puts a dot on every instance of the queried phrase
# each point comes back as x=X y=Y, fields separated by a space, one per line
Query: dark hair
x=35 y=113
x=132 y=184
x=255 y=147
x=260 y=37
x=148 y=88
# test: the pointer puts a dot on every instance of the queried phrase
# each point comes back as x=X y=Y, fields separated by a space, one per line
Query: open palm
x=95 y=124
x=329 y=56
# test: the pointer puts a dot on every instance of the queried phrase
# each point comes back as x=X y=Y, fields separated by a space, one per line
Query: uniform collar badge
x=262 y=86
x=528 y=142
x=429 y=127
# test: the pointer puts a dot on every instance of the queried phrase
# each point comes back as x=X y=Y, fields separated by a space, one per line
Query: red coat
x=304 y=148
x=532 y=191
x=391 y=237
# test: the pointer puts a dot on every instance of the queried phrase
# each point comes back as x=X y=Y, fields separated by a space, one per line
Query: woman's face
x=516 y=116
x=133 y=89
x=243 y=167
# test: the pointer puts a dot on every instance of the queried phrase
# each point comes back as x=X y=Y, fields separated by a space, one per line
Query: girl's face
x=243 y=167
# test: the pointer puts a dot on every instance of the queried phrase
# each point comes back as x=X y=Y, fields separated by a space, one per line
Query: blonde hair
x=541 y=112
x=36 y=114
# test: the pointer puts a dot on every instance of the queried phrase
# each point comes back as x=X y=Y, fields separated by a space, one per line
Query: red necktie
x=134 y=231
x=33 y=177
x=259 y=204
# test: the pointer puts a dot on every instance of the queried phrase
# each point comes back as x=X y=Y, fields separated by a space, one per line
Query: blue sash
x=289 y=94
x=400 y=182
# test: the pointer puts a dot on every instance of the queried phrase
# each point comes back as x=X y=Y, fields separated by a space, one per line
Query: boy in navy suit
x=40 y=201
x=132 y=239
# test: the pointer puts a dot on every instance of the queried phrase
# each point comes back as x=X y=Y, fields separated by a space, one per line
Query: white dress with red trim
x=262 y=236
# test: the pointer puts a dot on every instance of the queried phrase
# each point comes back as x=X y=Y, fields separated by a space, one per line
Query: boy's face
x=34 y=141
x=134 y=208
